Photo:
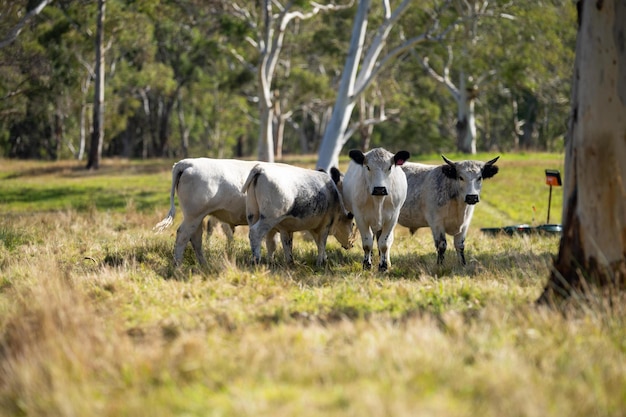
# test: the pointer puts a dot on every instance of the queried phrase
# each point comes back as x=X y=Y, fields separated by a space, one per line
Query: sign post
x=553 y=177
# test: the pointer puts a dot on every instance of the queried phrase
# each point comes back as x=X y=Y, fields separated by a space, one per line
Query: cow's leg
x=257 y=232
x=196 y=244
x=459 y=245
x=271 y=243
x=255 y=237
x=210 y=226
x=185 y=231
x=367 y=241
x=287 y=241
x=229 y=231
x=440 y=245
x=227 y=228
x=385 y=240
x=321 y=238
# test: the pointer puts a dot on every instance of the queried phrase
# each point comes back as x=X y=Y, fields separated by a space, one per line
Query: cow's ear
x=490 y=170
x=357 y=156
x=449 y=170
x=400 y=157
x=335 y=174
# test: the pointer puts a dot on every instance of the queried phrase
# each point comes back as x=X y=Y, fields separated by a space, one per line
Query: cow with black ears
x=374 y=189
x=443 y=197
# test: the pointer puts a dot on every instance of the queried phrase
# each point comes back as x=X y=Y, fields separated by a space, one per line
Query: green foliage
x=166 y=60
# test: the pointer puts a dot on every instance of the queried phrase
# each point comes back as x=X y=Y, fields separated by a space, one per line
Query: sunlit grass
x=94 y=320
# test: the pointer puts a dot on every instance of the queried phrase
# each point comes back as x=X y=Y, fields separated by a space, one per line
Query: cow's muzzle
x=379 y=191
x=472 y=199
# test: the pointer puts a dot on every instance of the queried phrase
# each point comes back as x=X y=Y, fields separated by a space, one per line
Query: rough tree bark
x=592 y=250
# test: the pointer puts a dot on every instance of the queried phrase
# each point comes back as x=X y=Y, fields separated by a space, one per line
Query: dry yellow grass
x=95 y=321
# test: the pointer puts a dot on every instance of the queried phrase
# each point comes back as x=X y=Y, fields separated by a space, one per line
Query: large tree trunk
x=165 y=117
x=358 y=75
x=182 y=125
x=593 y=246
x=333 y=141
x=266 y=133
x=83 y=119
x=97 y=136
x=466 y=120
x=270 y=48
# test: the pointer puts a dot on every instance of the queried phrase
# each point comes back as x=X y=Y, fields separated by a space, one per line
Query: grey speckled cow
x=290 y=199
x=443 y=198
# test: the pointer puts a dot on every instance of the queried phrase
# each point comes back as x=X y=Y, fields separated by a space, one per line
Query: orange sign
x=553 y=177
x=552 y=181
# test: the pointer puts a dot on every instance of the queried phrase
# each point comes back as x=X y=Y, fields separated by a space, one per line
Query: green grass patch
x=12 y=238
x=117 y=185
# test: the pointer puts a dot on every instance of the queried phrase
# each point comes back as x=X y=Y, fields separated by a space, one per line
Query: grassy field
x=95 y=321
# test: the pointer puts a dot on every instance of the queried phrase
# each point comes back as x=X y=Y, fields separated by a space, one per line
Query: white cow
x=443 y=197
x=207 y=187
x=374 y=189
x=290 y=199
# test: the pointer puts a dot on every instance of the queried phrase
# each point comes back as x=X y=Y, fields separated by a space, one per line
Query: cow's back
x=431 y=198
x=213 y=186
x=298 y=194
x=422 y=182
x=354 y=189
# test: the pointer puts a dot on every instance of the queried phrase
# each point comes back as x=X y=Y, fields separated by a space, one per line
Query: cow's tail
x=177 y=171
x=252 y=206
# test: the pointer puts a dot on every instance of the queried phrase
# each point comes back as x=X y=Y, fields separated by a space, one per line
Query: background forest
x=182 y=77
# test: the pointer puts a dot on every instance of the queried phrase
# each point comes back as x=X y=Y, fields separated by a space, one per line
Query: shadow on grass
x=109 y=167
x=223 y=255
x=80 y=199
x=417 y=266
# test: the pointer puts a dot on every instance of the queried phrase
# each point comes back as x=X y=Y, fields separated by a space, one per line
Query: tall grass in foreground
x=95 y=321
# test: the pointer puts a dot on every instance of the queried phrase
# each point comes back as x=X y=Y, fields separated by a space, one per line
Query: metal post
x=549 y=204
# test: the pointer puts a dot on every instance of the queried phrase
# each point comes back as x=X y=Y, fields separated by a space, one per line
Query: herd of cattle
x=379 y=190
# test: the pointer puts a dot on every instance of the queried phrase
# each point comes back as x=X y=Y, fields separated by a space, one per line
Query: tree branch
x=382 y=117
x=380 y=65
x=378 y=43
x=17 y=29
x=443 y=79
x=316 y=9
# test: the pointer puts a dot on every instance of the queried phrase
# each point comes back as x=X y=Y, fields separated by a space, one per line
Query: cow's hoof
x=382 y=267
x=367 y=265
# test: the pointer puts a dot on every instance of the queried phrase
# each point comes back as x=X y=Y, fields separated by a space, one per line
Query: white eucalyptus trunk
x=333 y=140
x=97 y=134
x=362 y=67
x=466 y=118
x=266 y=132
